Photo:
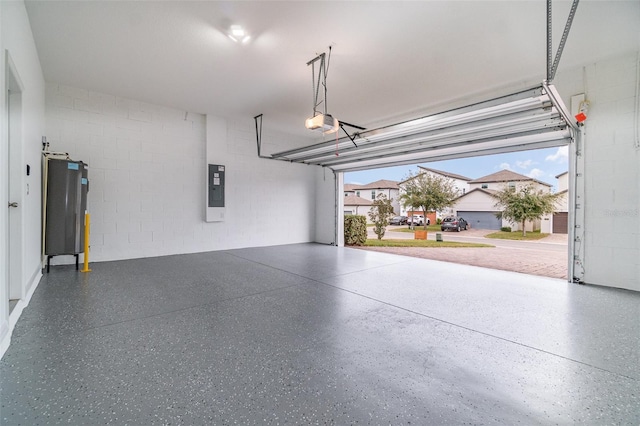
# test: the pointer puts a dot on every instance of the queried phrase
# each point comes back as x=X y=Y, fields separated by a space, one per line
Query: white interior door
x=15 y=183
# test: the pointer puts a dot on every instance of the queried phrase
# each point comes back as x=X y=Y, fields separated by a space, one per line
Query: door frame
x=15 y=179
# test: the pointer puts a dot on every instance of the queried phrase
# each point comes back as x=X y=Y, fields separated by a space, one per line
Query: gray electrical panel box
x=216 y=185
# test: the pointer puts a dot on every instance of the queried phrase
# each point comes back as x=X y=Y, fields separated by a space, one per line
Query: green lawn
x=420 y=243
x=517 y=235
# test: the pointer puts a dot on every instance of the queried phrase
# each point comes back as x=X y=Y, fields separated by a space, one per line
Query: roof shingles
x=353 y=200
x=379 y=184
x=505 y=176
x=447 y=174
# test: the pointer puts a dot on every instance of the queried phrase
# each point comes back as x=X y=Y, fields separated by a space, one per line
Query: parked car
x=398 y=220
x=454 y=223
x=417 y=220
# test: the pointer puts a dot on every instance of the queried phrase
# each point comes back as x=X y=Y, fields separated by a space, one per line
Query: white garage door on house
x=482 y=220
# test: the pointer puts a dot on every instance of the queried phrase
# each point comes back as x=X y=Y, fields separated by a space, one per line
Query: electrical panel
x=216 y=185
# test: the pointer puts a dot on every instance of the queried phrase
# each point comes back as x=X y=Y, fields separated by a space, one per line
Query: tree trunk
x=424 y=212
x=524 y=230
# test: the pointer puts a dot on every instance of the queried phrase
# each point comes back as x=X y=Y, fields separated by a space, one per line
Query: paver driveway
x=547 y=257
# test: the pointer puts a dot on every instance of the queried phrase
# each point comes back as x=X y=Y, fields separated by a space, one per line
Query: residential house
x=460 y=184
x=371 y=190
x=349 y=189
x=560 y=220
x=478 y=207
x=357 y=205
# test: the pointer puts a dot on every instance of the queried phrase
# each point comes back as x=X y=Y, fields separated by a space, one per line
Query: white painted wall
x=17 y=40
x=391 y=194
x=462 y=186
x=499 y=186
x=612 y=178
x=147 y=173
x=563 y=182
x=143 y=161
x=562 y=202
x=476 y=201
x=546 y=224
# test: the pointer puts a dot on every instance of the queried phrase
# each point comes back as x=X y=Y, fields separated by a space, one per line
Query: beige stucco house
x=371 y=190
x=478 y=207
x=560 y=219
x=354 y=205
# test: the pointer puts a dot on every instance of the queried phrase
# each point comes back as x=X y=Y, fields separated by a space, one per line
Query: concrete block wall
x=147 y=179
x=612 y=164
x=267 y=202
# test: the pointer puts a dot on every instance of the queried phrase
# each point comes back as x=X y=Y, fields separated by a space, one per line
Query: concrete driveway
x=547 y=257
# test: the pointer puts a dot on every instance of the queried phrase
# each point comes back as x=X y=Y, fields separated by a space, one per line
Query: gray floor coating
x=312 y=334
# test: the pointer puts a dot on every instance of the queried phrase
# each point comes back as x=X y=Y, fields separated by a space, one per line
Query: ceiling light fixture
x=238 y=34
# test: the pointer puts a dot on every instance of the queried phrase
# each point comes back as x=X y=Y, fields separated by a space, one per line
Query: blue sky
x=541 y=164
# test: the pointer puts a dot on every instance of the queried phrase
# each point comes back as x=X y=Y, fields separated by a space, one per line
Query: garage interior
x=254 y=312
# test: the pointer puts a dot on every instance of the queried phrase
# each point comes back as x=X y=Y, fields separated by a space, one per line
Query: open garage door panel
x=531 y=119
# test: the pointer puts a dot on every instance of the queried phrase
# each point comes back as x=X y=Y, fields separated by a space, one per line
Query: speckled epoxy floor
x=311 y=334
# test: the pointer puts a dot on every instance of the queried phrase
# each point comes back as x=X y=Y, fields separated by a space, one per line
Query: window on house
x=485 y=186
x=357 y=193
x=464 y=191
x=373 y=195
x=512 y=185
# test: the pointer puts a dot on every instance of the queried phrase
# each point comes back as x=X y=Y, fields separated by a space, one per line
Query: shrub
x=506 y=229
x=355 y=230
x=438 y=221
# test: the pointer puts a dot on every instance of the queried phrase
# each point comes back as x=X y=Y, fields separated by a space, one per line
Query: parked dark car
x=398 y=220
x=454 y=223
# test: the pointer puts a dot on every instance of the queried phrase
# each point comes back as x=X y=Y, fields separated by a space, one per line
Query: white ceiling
x=389 y=59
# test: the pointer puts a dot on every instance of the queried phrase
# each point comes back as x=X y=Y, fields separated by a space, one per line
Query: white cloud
x=561 y=155
x=525 y=164
x=504 y=166
x=536 y=174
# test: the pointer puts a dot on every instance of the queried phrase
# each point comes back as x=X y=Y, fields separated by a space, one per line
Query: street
x=547 y=257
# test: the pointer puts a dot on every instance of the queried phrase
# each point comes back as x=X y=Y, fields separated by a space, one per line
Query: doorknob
x=14 y=204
